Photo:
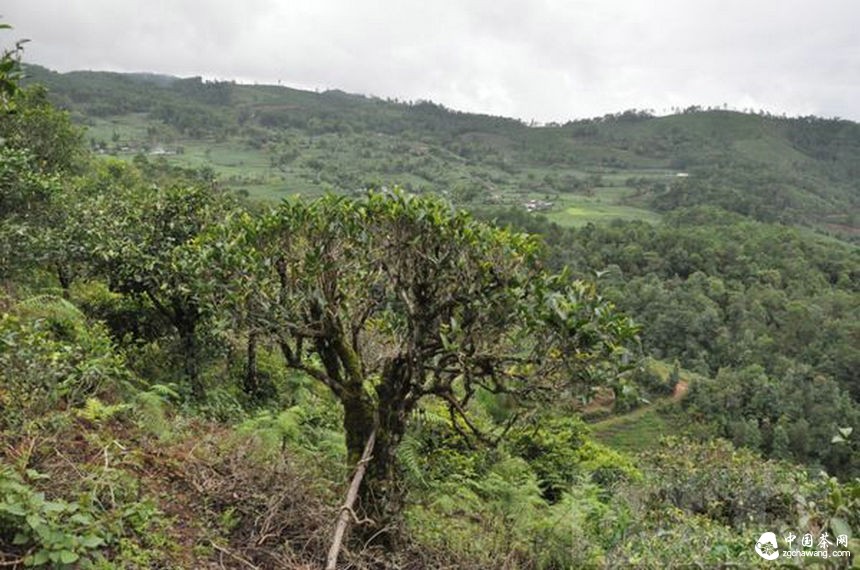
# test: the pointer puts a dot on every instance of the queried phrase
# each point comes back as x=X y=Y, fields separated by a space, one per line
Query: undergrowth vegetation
x=103 y=469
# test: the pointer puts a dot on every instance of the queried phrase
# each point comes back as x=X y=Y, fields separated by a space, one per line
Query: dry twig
x=234 y=556
x=346 y=509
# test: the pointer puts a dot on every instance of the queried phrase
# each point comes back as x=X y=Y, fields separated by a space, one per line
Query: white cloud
x=546 y=59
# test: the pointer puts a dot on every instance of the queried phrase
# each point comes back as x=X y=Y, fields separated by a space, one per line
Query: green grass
x=638 y=431
x=580 y=210
x=642 y=428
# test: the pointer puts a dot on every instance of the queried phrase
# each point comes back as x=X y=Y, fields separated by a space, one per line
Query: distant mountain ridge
x=271 y=140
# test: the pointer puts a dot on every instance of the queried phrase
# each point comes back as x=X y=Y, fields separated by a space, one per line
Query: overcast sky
x=547 y=60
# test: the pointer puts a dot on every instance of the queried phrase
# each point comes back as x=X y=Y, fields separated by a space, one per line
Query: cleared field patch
x=638 y=431
x=579 y=211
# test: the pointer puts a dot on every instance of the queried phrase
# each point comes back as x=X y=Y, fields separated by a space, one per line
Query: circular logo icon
x=766 y=546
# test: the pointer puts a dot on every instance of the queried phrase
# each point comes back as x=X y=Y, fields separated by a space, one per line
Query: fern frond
x=151 y=412
x=409 y=456
x=96 y=411
x=52 y=306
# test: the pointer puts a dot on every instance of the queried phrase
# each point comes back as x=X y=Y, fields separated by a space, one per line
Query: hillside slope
x=186 y=380
x=273 y=141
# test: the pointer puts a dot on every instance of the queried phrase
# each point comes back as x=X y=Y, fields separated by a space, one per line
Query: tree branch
x=233 y=555
x=351 y=496
x=455 y=409
x=294 y=361
x=161 y=308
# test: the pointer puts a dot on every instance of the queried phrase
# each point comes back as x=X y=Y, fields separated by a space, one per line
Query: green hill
x=272 y=141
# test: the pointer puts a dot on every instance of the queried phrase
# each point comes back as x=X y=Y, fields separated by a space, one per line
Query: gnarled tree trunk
x=381 y=496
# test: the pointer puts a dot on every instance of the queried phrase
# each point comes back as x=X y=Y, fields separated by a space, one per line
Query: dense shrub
x=50 y=358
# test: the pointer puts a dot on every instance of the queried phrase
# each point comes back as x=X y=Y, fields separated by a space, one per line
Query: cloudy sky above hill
x=544 y=60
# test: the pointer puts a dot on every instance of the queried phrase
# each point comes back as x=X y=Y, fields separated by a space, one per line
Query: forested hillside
x=768 y=315
x=624 y=342
x=273 y=141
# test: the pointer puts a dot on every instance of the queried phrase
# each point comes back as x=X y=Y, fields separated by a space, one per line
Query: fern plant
x=151 y=409
x=97 y=412
x=409 y=456
x=52 y=307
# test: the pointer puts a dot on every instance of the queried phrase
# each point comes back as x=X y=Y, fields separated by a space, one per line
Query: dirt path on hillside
x=681 y=389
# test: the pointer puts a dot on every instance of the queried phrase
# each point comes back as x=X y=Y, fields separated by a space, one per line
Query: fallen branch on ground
x=346 y=509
